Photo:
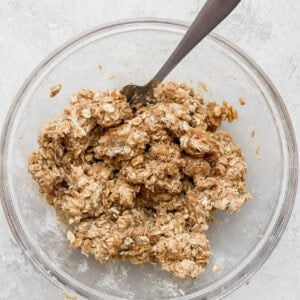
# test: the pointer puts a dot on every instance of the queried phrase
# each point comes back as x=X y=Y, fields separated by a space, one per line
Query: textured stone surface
x=267 y=30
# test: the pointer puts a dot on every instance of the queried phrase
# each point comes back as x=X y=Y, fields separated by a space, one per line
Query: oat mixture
x=141 y=187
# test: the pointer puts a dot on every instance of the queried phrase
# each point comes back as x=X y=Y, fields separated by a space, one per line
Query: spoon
x=212 y=14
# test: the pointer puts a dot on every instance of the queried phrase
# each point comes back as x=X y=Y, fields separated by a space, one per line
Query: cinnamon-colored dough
x=141 y=187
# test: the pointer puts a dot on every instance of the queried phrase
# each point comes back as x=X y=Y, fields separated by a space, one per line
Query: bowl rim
x=277 y=231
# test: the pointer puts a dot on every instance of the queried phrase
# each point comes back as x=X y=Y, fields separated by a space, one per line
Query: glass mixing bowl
x=134 y=51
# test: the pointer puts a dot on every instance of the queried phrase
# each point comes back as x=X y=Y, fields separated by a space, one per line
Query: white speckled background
x=269 y=31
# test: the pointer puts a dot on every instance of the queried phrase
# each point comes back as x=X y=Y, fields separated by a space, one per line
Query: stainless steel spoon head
x=137 y=96
x=212 y=13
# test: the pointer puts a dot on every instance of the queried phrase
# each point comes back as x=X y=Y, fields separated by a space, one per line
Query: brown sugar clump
x=141 y=187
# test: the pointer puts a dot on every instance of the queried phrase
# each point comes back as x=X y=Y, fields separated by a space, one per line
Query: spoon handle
x=212 y=14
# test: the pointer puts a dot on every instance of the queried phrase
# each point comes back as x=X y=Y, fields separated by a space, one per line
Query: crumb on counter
x=111 y=77
x=202 y=86
x=100 y=67
x=257 y=152
x=217 y=268
x=253 y=132
x=69 y=296
x=55 y=90
x=141 y=187
x=242 y=101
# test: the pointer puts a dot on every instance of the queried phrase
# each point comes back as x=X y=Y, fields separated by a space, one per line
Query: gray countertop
x=269 y=31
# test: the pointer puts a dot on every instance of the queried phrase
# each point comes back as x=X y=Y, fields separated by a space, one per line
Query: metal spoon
x=212 y=13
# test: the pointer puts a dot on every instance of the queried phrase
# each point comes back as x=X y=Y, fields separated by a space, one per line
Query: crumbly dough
x=141 y=187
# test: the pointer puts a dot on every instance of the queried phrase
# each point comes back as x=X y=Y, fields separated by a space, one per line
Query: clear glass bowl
x=134 y=51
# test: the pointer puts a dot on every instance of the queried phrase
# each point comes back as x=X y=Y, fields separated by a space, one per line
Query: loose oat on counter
x=141 y=187
x=202 y=86
x=242 y=101
x=55 y=90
